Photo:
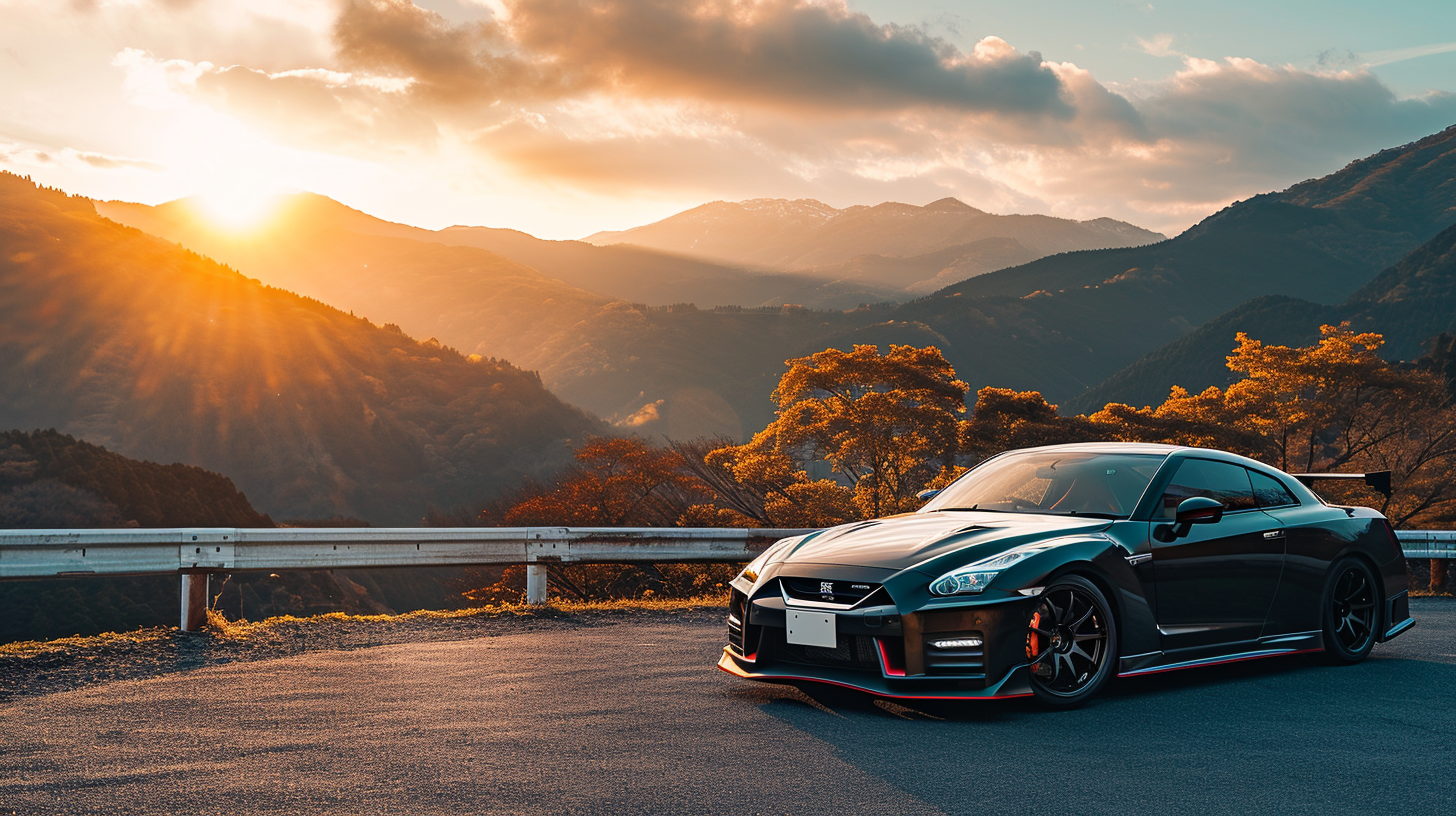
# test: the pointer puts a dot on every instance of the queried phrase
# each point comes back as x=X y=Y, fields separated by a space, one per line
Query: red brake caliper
x=1033 y=646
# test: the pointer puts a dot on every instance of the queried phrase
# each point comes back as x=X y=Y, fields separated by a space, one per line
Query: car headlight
x=973 y=578
x=756 y=566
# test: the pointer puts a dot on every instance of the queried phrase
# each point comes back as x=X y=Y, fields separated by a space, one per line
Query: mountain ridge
x=1409 y=303
x=157 y=353
x=809 y=236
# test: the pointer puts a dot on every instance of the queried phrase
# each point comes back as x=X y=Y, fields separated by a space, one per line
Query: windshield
x=1106 y=485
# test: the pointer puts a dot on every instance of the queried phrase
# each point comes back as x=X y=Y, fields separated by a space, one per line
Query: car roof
x=1116 y=447
x=1155 y=448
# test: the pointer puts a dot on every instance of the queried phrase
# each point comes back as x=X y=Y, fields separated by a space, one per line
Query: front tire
x=1349 y=611
x=1071 y=642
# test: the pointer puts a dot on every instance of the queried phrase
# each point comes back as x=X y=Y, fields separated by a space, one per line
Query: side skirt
x=1277 y=646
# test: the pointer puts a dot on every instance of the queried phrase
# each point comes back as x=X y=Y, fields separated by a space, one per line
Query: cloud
x=471 y=63
x=751 y=98
x=782 y=52
x=323 y=109
x=1374 y=58
x=773 y=52
x=30 y=156
x=1160 y=45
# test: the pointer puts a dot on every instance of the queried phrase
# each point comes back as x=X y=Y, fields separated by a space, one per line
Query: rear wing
x=1379 y=481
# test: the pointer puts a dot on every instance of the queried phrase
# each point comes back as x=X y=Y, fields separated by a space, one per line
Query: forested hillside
x=49 y=480
x=1409 y=303
x=156 y=353
x=1059 y=325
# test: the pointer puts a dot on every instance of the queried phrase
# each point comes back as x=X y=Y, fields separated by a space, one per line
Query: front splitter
x=1014 y=684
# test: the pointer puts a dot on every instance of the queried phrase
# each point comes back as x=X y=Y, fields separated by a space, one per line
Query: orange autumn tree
x=887 y=424
x=616 y=482
x=1334 y=405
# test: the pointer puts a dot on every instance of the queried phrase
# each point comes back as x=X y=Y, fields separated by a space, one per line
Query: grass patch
x=36 y=648
x=220 y=628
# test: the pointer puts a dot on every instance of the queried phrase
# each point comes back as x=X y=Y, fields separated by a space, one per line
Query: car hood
x=901 y=542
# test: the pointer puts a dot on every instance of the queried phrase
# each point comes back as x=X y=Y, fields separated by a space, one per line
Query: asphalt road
x=632 y=718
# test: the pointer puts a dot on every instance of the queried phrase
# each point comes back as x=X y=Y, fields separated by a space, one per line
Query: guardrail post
x=535 y=583
x=194 y=601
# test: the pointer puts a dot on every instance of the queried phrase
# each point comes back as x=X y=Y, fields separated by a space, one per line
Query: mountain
x=659 y=278
x=49 y=479
x=812 y=237
x=286 y=251
x=1064 y=323
x=634 y=364
x=156 y=353
x=52 y=480
x=1060 y=324
x=1409 y=303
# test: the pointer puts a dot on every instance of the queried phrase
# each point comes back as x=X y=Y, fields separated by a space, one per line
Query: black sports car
x=1048 y=570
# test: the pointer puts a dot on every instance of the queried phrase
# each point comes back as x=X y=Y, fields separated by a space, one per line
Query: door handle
x=1274 y=534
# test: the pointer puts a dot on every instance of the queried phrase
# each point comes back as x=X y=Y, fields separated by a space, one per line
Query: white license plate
x=811 y=629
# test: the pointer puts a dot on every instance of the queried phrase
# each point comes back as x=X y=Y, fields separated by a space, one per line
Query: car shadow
x=1284 y=735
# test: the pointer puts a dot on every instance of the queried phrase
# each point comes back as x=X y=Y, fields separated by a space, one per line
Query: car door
x=1215 y=584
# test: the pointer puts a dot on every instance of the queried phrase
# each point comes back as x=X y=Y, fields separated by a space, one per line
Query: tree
x=886 y=423
x=616 y=482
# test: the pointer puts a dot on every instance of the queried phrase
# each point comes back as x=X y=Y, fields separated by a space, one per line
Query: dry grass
x=221 y=628
x=36 y=648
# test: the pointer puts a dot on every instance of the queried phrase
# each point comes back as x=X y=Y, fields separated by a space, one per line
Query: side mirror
x=927 y=495
x=1191 y=511
x=1198 y=510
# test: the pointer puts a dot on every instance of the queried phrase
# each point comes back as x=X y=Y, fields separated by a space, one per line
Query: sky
x=565 y=117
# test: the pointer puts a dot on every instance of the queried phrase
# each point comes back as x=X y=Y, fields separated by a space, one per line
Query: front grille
x=849 y=652
x=846 y=593
x=965 y=660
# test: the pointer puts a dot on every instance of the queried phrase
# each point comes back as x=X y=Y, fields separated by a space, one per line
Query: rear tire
x=1349 y=611
x=1071 y=641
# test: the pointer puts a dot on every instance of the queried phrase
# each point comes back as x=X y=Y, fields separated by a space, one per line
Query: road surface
x=632 y=718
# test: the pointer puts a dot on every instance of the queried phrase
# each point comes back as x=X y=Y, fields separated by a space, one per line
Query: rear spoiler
x=1379 y=481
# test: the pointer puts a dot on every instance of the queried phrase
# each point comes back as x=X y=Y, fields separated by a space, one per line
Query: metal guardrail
x=195 y=553
x=1427 y=543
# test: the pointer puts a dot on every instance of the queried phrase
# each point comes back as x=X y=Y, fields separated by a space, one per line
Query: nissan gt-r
x=1048 y=571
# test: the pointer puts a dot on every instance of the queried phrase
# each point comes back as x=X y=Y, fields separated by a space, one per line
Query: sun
x=234 y=171
x=238 y=206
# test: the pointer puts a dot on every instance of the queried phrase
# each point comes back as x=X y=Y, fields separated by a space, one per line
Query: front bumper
x=888 y=652
x=1014 y=684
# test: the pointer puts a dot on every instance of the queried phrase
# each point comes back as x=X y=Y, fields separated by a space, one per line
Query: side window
x=1268 y=492
x=1220 y=481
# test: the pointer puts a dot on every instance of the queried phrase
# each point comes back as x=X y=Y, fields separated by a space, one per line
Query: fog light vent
x=956 y=643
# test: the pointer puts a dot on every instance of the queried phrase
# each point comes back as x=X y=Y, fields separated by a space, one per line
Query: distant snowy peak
x=799 y=208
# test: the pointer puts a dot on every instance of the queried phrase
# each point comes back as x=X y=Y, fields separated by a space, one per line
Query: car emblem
x=826 y=587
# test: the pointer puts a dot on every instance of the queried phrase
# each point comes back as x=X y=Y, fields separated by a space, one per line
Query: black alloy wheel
x=1071 y=642
x=1350 y=611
